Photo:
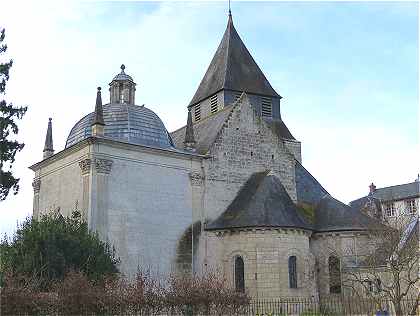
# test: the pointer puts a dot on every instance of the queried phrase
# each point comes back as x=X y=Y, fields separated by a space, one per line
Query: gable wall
x=244 y=146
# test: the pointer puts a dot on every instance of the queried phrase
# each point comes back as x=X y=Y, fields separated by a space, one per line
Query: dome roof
x=126 y=123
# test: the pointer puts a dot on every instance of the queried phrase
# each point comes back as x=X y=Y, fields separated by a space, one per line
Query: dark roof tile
x=232 y=68
x=261 y=202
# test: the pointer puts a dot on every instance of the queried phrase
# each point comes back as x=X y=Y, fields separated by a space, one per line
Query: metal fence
x=330 y=306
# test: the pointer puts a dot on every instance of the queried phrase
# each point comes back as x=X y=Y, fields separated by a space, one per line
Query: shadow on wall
x=187 y=245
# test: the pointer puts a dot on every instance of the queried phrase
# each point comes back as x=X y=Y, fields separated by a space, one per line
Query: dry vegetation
x=77 y=295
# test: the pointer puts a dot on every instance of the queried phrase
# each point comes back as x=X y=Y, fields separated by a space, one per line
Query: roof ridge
x=397 y=185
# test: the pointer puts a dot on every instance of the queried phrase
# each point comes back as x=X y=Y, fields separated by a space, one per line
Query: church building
x=227 y=193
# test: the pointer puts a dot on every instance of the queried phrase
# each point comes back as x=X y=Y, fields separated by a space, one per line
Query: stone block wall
x=348 y=247
x=244 y=146
x=265 y=254
x=58 y=184
x=147 y=202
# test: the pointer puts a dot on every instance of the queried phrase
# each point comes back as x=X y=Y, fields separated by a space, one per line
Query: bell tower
x=122 y=88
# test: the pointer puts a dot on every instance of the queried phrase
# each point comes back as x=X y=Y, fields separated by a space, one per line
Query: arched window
x=239 y=274
x=292 y=272
x=334 y=274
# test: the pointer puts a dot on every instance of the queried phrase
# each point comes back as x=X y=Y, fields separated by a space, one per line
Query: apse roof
x=233 y=68
x=261 y=202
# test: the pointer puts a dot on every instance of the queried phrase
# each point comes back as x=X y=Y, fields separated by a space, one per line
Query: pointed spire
x=189 y=142
x=48 y=148
x=98 y=117
x=233 y=68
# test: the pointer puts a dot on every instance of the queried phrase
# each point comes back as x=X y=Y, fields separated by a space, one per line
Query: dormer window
x=266 y=107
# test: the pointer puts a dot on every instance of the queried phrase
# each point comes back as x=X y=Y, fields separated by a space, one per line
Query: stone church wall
x=245 y=145
x=348 y=247
x=148 y=208
x=265 y=254
x=58 y=183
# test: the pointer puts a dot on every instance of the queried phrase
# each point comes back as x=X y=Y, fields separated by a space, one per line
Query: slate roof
x=279 y=128
x=232 y=68
x=333 y=215
x=205 y=131
x=261 y=202
x=125 y=123
x=308 y=189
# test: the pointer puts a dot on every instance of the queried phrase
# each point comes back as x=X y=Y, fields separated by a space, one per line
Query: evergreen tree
x=8 y=126
x=49 y=247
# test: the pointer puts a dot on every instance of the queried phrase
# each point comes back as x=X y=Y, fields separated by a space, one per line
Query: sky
x=348 y=73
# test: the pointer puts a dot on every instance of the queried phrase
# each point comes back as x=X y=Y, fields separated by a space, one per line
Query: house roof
x=392 y=193
x=261 y=202
x=232 y=68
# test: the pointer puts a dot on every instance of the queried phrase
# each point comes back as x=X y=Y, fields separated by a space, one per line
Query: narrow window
x=266 y=107
x=292 y=272
x=334 y=274
x=197 y=112
x=239 y=274
x=213 y=103
x=389 y=209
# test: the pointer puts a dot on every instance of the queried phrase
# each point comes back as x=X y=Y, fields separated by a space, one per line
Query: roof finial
x=189 y=141
x=48 y=148
x=230 y=12
x=98 y=117
x=122 y=68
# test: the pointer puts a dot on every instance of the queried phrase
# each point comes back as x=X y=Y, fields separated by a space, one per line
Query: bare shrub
x=19 y=295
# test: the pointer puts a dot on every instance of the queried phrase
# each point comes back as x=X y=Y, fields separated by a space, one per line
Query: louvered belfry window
x=292 y=272
x=213 y=103
x=239 y=274
x=197 y=112
x=266 y=108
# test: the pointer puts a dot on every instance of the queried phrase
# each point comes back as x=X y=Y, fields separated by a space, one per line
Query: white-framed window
x=390 y=209
x=197 y=112
x=411 y=206
x=266 y=107
x=213 y=103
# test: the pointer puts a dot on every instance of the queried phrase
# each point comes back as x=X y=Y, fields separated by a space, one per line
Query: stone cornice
x=116 y=144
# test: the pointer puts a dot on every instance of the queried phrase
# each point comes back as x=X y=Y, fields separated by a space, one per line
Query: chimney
x=372 y=188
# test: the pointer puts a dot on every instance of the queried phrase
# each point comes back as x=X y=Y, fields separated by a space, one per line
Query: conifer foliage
x=8 y=127
x=48 y=248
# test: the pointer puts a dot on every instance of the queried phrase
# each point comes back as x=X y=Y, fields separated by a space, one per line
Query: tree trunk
x=398 y=309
